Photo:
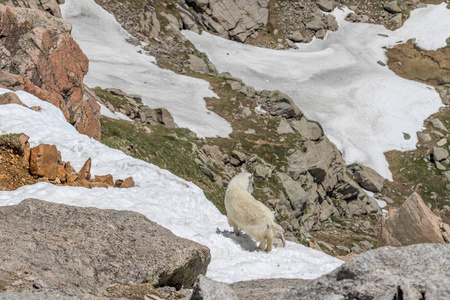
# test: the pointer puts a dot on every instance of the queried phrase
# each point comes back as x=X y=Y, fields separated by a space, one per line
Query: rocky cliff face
x=40 y=57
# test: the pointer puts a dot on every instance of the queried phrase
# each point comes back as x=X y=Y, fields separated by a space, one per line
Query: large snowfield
x=164 y=198
x=363 y=107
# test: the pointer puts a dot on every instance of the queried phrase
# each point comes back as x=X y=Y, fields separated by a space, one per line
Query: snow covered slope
x=364 y=107
x=115 y=63
x=164 y=198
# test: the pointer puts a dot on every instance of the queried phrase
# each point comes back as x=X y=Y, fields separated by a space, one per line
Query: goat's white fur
x=247 y=213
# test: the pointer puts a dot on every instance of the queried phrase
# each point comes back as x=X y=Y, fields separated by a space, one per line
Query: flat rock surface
x=54 y=246
x=414 y=272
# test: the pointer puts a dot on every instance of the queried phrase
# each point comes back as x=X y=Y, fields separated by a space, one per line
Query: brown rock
x=62 y=174
x=118 y=183
x=10 y=98
x=412 y=223
x=107 y=179
x=85 y=172
x=127 y=183
x=44 y=60
x=44 y=161
x=94 y=184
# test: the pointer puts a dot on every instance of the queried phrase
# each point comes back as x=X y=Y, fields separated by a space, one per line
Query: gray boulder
x=308 y=129
x=367 y=178
x=440 y=154
x=325 y=5
x=413 y=272
x=208 y=289
x=61 y=247
x=392 y=7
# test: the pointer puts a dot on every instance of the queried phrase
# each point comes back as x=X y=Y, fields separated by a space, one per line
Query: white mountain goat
x=247 y=213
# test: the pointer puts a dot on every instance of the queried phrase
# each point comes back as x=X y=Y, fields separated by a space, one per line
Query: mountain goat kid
x=245 y=212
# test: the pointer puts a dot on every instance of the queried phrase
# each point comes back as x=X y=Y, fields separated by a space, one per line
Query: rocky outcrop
x=367 y=178
x=50 y=246
x=21 y=165
x=413 y=272
x=233 y=19
x=50 y=6
x=413 y=223
x=40 y=57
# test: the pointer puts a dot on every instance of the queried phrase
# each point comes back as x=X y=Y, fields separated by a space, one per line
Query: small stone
x=406 y=136
x=392 y=7
x=441 y=142
x=127 y=183
x=296 y=37
x=438 y=124
x=325 y=5
x=440 y=154
x=284 y=127
x=424 y=137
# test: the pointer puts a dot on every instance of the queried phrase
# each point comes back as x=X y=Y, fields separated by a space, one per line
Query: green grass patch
x=107 y=96
x=168 y=148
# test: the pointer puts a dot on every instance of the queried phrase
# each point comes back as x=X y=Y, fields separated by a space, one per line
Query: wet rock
x=95 y=249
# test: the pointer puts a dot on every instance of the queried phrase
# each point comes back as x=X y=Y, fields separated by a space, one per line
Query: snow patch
x=164 y=198
x=363 y=107
x=114 y=63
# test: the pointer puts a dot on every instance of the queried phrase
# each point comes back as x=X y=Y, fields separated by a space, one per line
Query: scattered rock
x=44 y=160
x=127 y=183
x=197 y=64
x=412 y=223
x=424 y=136
x=164 y=117
x=413 y=272
x=438 y=124
x=309 y=129
x=440 y=154
x=392 y=7
x=367 y=178
x=284 y=127
x=95 y=249
x=325 y=5
x=11 y=98
x=296 y=37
